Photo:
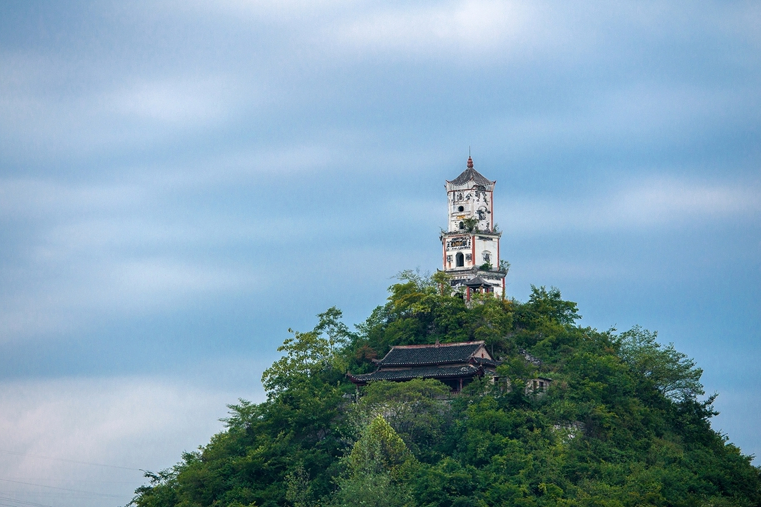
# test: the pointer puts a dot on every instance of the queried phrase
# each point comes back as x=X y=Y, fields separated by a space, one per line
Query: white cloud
x=559 y=270
x=467 y=30
x=162 y=278
x=669 y=200
x=181 y=102
x=131 y=422
x=247 y=165
x=635 y=117
x=48 y=198
x=91 y=251
x=653 y=113
x=73 y=294
x=738 y=21
x=469 y=25
x=655 y=202
x=271 y=10
x=51 y=108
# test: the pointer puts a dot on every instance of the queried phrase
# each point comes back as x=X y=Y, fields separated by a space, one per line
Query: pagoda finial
x=470 y=162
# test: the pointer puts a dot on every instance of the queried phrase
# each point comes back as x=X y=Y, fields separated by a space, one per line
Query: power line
x=22 y=502
x=61 y=489
x=68 y=479
x=17 y=504
x=67 y=460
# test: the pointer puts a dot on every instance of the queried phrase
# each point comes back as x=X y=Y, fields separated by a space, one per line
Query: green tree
x=377 y=470
x=298 y=492
x=417 y=410
x=380 y=449
x=491 y=320
x=672 y=373
x=548 y=305
x=309 y=354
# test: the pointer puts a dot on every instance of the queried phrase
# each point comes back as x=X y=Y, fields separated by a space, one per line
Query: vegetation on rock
x=624 y=422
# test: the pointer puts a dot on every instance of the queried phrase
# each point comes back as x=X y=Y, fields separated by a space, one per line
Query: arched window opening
x=462 y=225
x=460 y=260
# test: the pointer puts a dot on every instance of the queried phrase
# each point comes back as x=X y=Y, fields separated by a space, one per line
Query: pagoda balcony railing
x=460 y=232
x=476 y=269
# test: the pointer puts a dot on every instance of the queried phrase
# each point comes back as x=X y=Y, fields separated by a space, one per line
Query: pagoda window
x=460 y=260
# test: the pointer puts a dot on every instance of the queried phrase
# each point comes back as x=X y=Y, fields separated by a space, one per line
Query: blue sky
x=181 y=182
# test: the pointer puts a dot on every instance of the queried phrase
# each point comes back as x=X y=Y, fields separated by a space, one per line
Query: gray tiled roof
x=429 y=372
x=476 y=281
x=471 y=174
x=430 y=354
x=486 y=362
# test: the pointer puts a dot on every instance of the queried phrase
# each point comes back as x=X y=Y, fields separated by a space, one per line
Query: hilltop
x=624 y=422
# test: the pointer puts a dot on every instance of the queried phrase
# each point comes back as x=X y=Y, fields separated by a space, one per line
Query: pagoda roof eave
x=471 y=233
x=419 y=372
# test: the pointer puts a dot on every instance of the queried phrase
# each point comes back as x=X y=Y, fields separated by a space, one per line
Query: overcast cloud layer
x=182 y=181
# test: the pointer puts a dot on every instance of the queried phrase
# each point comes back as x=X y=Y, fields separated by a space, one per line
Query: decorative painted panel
x=458 y=243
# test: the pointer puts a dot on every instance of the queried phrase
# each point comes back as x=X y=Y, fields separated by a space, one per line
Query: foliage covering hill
x=623 y=423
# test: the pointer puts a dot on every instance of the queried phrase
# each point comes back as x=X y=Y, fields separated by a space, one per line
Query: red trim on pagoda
x=473 y=245
x=491 y=196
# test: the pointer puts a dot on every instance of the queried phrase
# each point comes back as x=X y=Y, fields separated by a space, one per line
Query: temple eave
x=465 y=372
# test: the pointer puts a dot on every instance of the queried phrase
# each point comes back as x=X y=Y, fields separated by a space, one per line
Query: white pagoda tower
x=471 y=245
